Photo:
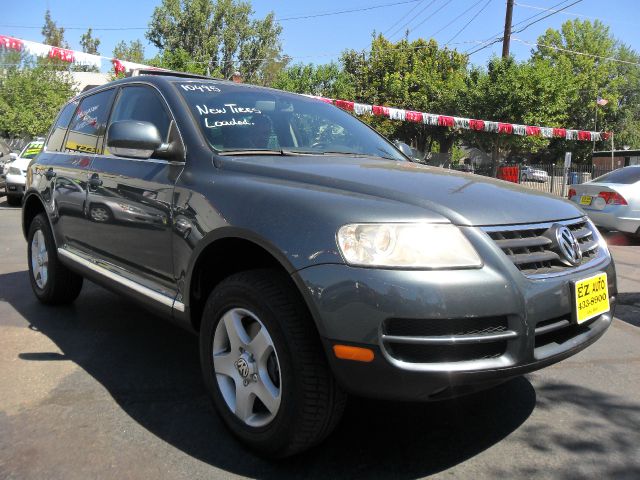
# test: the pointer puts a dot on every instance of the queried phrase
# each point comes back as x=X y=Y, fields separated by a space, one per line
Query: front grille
x=533 y=253
x=420 y=327
x=446 y=353
x=556 y=332
x=446 y=340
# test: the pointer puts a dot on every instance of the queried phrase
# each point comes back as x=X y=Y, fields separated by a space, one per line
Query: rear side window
x=56 y=138
x=143 y=104
x=627 y=175
x=89 y=123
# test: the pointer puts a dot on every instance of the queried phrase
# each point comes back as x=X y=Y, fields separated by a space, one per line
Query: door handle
x=49 y=174
x=94 y=181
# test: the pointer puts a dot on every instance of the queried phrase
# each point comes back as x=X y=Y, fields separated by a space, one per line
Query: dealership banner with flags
x=393 y=113
x=438 y=120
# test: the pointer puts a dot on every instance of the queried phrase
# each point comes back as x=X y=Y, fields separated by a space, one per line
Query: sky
x=320 y=39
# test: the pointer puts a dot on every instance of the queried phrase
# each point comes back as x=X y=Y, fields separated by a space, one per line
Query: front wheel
x=51 y=281
x=264 y=367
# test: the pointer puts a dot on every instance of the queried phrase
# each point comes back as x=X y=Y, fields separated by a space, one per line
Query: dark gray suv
x=312 y=258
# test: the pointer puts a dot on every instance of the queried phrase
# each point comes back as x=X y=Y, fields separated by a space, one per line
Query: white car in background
x=612 y=201
x=530 y=174
x=16 y=172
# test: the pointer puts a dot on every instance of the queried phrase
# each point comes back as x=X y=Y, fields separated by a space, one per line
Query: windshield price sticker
x=193 y=87
x=591 y=297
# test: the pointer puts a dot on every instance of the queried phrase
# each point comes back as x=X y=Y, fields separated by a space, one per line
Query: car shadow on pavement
x=628 y=308
x=151 y=369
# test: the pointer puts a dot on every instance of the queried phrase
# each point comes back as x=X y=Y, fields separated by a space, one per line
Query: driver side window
x=143 y=104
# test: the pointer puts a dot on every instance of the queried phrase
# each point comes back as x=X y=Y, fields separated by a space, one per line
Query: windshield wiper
x=267 y=151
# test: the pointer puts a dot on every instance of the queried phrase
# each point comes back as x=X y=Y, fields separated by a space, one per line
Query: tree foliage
x=328 y=80
x=30 y=99
x=216 y=36
x=53 y=35
x=417 y=75
x=89 y=43
x=131 y=52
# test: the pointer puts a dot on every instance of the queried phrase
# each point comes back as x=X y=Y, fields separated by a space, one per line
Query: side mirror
x=13 y=156
x=131 y=138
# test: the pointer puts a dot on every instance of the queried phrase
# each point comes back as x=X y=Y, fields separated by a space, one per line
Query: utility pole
x=506 y=40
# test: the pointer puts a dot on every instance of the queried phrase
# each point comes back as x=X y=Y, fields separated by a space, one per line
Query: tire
x=58 y=285
x=100 y=213
x=310 y=402
x=14 y=200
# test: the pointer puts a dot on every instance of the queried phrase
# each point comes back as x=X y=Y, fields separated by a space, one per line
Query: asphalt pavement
x=103 y=389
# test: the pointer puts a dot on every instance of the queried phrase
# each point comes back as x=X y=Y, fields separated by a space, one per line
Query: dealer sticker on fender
x=592 y=297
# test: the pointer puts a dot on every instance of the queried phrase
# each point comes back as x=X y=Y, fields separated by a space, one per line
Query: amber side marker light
x=358 y=354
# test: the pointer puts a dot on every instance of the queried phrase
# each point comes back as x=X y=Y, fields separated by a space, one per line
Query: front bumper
x=14 y=185
x=616 y=217
x=356 y=305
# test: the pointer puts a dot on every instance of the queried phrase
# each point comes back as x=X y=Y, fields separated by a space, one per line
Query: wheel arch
x=228 y=252
x=32 y=205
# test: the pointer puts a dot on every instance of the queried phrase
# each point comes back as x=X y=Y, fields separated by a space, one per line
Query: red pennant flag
x=505 y=128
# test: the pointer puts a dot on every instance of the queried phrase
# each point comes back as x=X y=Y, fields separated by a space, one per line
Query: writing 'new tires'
x=263 y=365
x=51 y=281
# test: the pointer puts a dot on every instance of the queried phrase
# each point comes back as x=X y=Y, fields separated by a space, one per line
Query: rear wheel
x=264 y=367
x=51 y=281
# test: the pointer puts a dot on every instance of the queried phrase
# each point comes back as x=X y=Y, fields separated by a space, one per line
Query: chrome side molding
x=115 y=277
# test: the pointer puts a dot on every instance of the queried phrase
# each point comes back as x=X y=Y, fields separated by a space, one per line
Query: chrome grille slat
x=523 y=242
x=531 y=251
x=534 y=257
x=588 y=246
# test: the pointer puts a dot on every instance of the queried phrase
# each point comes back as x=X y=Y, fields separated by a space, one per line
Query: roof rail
x=170 y=73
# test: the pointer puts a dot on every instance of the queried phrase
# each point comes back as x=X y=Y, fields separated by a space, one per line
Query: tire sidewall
x=271 y=437
x=39 y=224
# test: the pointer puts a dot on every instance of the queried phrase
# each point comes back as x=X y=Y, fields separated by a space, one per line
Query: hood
x=463 y=198
x=21 y=163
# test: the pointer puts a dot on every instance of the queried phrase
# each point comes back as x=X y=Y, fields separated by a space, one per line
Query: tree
x=417 y=75
x=52 y=34
x=133 y=52
x=30 y=99
x=593 y=75
x=218 y=36
x=327 y=80
x=528 y=93
x=89 y=44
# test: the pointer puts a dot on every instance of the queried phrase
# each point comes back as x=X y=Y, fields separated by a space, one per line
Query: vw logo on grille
x=243 y=367
x=568 y=245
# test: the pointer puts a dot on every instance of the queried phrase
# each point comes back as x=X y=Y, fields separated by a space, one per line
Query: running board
x=113 y=276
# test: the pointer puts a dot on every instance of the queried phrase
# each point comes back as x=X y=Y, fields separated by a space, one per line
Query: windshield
x=237 y=119
x=626 y=175
x=31 y=150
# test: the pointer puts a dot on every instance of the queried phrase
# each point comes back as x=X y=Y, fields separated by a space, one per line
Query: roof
x=617 y=153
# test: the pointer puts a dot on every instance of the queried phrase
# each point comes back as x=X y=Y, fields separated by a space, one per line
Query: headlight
x=14 y=171
x=406 y=245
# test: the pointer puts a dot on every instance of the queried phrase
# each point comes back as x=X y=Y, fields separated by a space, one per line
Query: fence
x=549 y=178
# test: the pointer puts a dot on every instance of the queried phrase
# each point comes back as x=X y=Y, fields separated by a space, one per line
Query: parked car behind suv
x=16 y=172
x=530 y=174
x=311 y=257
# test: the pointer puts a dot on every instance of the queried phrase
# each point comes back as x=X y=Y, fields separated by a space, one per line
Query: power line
x=533 y=7
x=402 y=17
x=340 y=12
x=422 y=22
x=285 y=19
x=456 y=18
x=493 y=40
x=469 y=22
x=613 y=59
x=401 y=27
x=547 y=16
